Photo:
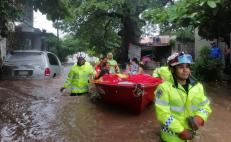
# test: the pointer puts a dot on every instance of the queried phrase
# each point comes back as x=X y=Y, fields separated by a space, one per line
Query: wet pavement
x=35 y=110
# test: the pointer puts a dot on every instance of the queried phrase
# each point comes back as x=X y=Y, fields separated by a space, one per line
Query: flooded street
x=36 y=111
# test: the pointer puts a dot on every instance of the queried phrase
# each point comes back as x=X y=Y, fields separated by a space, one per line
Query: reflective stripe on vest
x=79 y=89
x=174 y=108
x=169 y=121
x=85 y=76
x=177 y=108
x=204 y=102
x=167 y=130
x=203 y=111
x=194 y=108
x=161 y=102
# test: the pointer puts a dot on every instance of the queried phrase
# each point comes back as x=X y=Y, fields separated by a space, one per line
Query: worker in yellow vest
x=181 y=105
x=164 y=73
x=78 y=78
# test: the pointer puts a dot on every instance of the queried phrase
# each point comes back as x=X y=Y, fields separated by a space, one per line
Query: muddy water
x=36 y=111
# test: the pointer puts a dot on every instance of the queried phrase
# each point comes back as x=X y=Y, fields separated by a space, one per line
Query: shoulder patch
x=158 y=93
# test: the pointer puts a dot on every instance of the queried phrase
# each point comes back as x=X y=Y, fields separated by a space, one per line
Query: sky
x=41 y=22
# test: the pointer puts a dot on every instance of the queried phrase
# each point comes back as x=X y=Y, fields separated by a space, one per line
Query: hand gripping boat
x=133 y=92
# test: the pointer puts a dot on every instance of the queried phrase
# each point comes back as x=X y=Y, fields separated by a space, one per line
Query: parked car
x=30 y=64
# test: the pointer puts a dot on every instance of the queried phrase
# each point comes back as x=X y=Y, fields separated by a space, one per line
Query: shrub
x=207 y=68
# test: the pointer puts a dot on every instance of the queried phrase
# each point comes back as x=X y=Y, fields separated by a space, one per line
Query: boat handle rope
x=138 y=91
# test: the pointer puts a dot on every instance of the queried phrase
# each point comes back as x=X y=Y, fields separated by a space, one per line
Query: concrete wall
x=134 y=51
x=37 y=42
x=2 y=48
x=200 y=42
x=187 y=47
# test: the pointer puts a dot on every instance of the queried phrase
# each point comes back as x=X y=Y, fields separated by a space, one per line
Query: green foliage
x=8 y=13
x=55 y=9
x=173 y=43
x=11 y=11
x=107 y=25
x=207 y=68
x=100 y=37
x=211 y=4
x=63 y=48
x=212 y=17
x=168 y=19
x=185 y=34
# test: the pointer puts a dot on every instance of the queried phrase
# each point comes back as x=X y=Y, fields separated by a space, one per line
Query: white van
x=28 y=64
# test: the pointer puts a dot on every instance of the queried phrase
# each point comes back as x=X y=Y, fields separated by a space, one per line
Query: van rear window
x=27 y=57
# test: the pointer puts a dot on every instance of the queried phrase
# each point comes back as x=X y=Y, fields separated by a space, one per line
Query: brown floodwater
x=35 y=110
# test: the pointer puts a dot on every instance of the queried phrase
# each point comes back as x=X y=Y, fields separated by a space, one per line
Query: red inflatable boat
x=134 y=92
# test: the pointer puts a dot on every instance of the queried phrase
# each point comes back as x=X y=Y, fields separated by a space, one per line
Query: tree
x=8 y=13
x=11 y=11
x=64 y=47
x=108 y=25
x=211 y=17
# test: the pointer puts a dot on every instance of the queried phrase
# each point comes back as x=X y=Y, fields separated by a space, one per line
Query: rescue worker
x=164 y=73
x=78 y=77
x=112 y=63
x=181 y=105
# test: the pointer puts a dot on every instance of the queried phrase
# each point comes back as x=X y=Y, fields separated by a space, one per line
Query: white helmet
x=179 y=58
x=81 y=55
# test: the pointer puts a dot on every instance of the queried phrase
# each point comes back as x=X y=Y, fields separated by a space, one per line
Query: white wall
x=199 y=42
x=134 y=51
x=2 y=48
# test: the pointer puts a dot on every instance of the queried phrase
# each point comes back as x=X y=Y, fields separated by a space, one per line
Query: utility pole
x=56 y=25
x=57 y=30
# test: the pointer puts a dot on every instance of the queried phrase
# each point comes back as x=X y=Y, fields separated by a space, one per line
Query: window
x=52 y=59
x=25 y=58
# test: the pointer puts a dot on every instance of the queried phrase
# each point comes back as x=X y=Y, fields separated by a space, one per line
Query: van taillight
x=47 y=72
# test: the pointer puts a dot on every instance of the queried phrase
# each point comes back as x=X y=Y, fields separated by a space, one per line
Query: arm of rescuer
x=156 y=73
x=92 y=72
x=68 y=81
x=163 y=112
x=203 y=110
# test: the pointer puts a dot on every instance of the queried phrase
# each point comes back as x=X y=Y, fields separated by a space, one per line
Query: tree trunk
x=130 y=34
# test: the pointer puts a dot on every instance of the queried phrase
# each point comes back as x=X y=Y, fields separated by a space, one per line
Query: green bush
x=207 y=68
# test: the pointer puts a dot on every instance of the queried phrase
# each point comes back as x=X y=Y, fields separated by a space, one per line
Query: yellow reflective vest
x=164 y=73
x=174 y=105
x=78 y=78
